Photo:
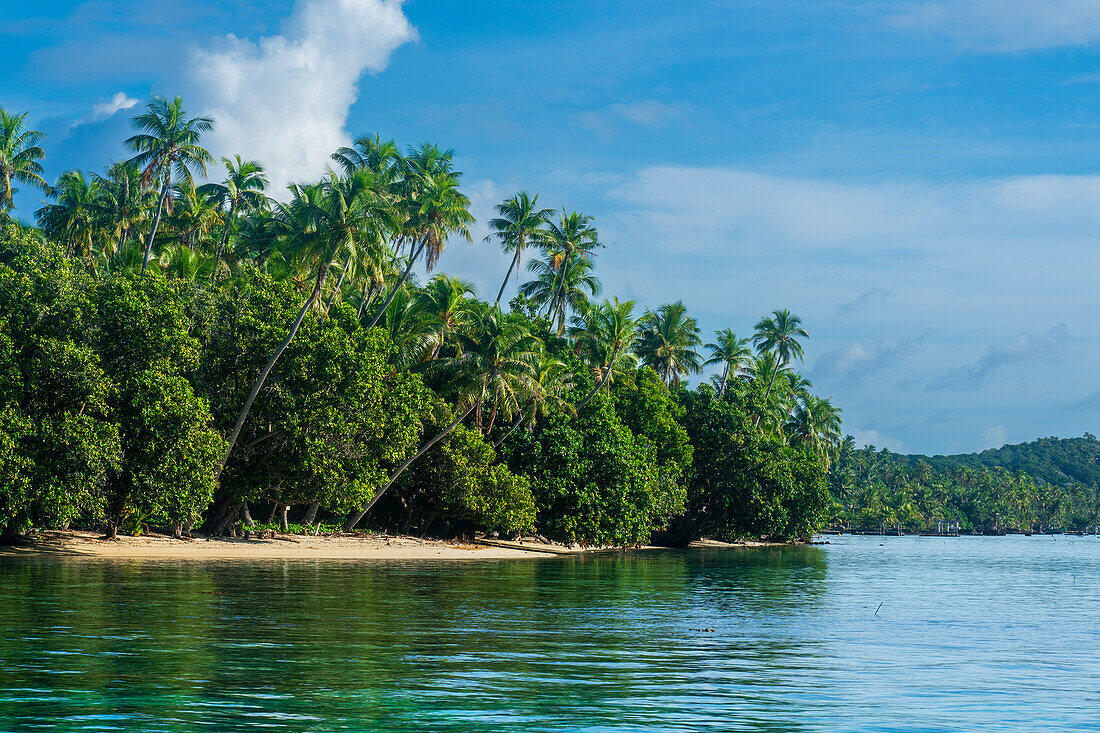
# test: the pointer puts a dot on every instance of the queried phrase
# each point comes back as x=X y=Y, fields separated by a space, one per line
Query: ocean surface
x=862 y=634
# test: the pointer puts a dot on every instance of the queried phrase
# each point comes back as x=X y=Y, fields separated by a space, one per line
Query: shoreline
x=91 y=545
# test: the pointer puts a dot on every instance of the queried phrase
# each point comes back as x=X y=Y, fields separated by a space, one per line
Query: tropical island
x=182 y=356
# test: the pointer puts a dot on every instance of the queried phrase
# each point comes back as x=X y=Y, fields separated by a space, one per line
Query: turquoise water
x=864 y=634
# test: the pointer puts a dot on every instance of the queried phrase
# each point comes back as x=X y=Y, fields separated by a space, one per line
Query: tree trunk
x=311 y=513
x=246 y=516
x=725 y=375
x=365 y=299
x=156 y=225
x=515 y=263
x=270 y=364
x=354 y=519
x=393 y=292
x=339 y=284
x=225 y=240
x=177 y=531
x=606 y=374
x=767 y=393
x=511 y=429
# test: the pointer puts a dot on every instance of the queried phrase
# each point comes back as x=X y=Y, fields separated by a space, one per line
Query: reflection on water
x=971 y=633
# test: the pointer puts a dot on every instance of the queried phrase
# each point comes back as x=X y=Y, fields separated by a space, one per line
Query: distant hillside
x=1056 y=461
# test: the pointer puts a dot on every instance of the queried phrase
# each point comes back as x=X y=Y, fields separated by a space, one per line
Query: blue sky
x=918 y=180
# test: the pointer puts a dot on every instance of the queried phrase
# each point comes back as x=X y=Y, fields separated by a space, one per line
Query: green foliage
x=460 y=480
x=744 y=483
x=1048 y=483
x=593 y=481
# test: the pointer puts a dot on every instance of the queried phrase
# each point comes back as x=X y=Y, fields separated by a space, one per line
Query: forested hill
x=1056 y=461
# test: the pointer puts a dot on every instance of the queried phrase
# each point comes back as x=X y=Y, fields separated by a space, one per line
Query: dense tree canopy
x=176 y=353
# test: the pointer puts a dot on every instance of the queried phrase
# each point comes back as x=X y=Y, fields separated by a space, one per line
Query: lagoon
x=862 y=634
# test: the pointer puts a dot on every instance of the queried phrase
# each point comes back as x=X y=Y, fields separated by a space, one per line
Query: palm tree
x=547 y=395
x=445 y=308
x=570 y=240
x=381 y=157
x=123 y=204
x=434 y=209
x=497 y=364
x=73 y=218
x=816 y=424
x=765 y=369
x=167 y=146
x=729 y=351
x=194 y=213
x=603 y=334
x=666 y=342
x=780 y=333
x=19 y=156
x=242 y=191
x=565 y=290
x=519 y=222
x=320 y=221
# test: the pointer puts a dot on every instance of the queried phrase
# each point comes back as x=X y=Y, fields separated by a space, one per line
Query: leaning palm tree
x=73 y=218
x=167 y=146
x=779 y=333
x=19 y=156
x=603 y=335
x=434 y=209
x=767 y=368
x=547 y=395
x=496 y=365
x=241 y=192
x=666 y=342
x=731 y=352
x=519 y=222
x=319 y=222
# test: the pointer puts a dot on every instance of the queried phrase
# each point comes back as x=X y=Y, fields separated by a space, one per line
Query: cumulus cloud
x=859 y=360
x=1025 y=348
x=1005 y=25
x=865 y=438
x=105 y=110
x=866 y=299
x=284 y=99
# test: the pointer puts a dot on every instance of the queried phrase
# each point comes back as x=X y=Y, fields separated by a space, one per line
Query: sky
x=919 y=180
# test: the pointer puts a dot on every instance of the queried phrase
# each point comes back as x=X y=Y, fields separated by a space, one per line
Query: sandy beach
x=300 y=547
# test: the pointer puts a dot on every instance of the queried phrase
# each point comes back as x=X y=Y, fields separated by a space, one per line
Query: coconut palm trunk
x=156 y=225
x=603 y=381
x=339 y=284
x=225 y=240
x=321 y=275
x=508 y=275
x=355 y=518
x=397 y=287
x=767 y=393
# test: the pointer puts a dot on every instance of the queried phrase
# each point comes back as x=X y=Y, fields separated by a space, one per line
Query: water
x=864 y=634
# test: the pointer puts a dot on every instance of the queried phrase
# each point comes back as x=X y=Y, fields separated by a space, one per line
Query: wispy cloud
x=859 y=361
x=284 y=99
x=1004 y=25
x=866 y=299
x=105 y=110
x=1026 y=348
x=648 y=113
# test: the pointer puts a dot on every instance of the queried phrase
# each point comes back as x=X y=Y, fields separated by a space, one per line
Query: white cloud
x=993 y=437
x=1005 y=25
x=647 y=113
x=284 y=99
x=862 y=361
x=865 y=438
x=105 y=110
